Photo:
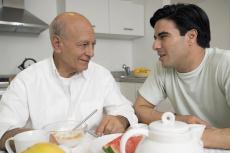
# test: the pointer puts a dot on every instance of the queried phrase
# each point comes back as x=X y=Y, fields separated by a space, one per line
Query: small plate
x=97 y=144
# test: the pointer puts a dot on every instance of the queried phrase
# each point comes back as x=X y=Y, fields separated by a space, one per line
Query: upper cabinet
x=111 y=18
x=126 y=18
x=95 y=10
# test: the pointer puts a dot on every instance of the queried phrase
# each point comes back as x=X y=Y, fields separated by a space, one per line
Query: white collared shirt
x=39 y=96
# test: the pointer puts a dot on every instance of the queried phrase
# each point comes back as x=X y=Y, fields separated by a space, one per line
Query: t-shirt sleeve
x=153 y=89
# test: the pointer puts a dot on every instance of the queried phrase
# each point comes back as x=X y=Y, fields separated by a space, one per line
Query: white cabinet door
x=126 y=18
x=95 y=10
x=111 y=18
x=137 y=86
x=128 y=90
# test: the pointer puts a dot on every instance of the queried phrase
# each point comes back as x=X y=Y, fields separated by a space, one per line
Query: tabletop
x=84 y=148
x=86 y=144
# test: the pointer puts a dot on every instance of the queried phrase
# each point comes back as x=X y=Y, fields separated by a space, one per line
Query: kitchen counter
x=120 y=76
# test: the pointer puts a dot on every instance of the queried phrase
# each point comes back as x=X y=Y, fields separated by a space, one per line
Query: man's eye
x=163 y=36
x=82 y=45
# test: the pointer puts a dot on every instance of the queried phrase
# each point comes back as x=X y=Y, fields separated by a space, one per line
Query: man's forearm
x=147 y=115
x=216 y=138
x=10 y=134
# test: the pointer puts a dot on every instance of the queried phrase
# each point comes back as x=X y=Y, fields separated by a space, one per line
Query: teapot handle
x=130 y=133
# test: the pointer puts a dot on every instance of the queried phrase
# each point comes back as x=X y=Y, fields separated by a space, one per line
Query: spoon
x=85 y=119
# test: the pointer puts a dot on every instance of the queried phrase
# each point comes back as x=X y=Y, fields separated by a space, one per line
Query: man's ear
x=192 y=36
x=56 y=43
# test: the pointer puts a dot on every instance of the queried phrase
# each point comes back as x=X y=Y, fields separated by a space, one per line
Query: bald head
x=65 y=21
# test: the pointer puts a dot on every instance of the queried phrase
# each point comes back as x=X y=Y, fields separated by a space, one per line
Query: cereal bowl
x=64 y=134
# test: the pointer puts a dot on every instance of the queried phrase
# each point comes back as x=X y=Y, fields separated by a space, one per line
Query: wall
x=14 y=48
x=110 y=53
x=219 y=15
x=143 y=55
x=113 y=53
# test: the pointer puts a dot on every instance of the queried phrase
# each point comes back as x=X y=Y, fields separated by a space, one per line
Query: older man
x=67 y=86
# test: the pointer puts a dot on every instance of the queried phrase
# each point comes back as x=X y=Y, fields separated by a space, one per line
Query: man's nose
x=156 y=44
x=90 y=51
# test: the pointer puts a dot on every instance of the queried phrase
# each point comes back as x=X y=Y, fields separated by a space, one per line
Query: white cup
x=26 y=139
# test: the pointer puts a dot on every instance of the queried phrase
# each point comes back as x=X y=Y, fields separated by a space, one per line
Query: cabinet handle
x=129 y=29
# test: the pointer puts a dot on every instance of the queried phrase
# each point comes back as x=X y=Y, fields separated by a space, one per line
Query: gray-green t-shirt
x=203 y=92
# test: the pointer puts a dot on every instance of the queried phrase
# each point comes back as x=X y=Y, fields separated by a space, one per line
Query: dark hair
x=186 y=17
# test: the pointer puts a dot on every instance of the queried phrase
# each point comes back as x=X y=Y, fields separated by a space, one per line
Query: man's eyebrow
x=160 y=34
x=163 y=33
x=85 y=41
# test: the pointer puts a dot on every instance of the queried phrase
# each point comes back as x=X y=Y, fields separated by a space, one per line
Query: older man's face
x=77 y=46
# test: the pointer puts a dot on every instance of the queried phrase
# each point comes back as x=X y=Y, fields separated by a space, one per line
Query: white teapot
x=167 y=136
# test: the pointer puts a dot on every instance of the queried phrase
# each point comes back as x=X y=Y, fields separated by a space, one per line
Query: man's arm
x=212 y=137
x=145 y=111
x=216 y=138
x=9 y=134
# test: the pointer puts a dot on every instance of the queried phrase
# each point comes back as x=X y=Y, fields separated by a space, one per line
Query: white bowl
x=64 y=133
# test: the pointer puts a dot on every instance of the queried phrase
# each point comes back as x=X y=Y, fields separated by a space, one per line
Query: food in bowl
x=68 y=137
x=64 y=134
x=141 y=72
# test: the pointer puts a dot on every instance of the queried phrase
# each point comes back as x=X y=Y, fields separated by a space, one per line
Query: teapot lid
x=169 y=125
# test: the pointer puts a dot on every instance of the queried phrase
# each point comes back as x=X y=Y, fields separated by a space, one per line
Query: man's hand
x=190 y=119
x=112 y=124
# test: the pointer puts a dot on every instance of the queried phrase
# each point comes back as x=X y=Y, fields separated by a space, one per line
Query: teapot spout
x=197 y=130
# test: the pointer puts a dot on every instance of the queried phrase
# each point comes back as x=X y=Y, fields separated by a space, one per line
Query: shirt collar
x=85 y=74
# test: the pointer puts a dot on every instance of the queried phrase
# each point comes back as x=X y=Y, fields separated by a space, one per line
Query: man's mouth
x=161 y=56
x=85 y=60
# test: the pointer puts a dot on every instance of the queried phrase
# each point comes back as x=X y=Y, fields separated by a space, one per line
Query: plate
x=97 y=144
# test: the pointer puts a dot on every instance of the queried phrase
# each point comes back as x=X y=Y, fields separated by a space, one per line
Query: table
x=88 y=139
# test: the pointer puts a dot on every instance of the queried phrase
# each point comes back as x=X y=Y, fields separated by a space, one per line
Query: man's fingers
x=100 y=129
x=108 y=128
x=111 y=124
x=205 y=123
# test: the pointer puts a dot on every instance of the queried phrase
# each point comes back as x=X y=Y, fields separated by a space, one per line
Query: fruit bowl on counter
x=141 y=72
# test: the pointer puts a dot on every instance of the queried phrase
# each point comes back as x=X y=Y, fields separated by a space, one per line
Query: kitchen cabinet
x=129 y=90
x=111 y=18
x=126 y=18
x=95 y=11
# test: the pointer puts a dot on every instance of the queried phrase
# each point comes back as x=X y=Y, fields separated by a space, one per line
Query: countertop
x=120 y=76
